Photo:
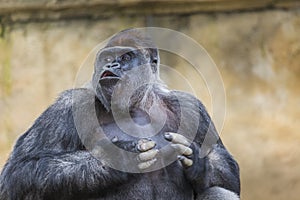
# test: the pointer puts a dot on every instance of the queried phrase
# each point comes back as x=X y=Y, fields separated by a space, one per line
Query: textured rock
x=40 y=10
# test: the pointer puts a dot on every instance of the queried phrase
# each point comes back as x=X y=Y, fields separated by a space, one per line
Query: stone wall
x=257 y=52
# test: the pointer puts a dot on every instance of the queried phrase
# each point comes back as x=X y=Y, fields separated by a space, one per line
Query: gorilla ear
x=154 y=66
x=154 y=60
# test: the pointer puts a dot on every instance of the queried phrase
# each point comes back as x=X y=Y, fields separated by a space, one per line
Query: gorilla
x=126 y=136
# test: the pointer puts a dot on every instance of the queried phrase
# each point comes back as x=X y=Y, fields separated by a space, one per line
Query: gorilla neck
x=139 y=116
x=144 y=98
x=140 y=102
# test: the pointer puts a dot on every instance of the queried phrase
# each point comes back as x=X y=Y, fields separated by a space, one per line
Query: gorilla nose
x=113 y=65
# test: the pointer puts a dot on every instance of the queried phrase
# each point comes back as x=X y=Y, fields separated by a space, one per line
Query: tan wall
x=257 y=53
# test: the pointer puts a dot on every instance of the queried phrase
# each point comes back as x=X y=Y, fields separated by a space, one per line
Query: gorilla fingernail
x=168 y=136
x=115 y=139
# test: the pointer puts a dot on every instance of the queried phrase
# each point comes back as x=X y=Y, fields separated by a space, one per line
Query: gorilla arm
x=215 y=176
x=50 y=159
x=217 y=169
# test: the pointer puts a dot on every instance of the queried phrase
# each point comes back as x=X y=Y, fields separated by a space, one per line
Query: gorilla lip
x=108 y=74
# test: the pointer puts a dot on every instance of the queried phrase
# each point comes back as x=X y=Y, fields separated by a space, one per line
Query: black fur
x=51 y=160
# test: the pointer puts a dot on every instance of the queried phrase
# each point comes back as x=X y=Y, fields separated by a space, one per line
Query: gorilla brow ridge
x=132 y=38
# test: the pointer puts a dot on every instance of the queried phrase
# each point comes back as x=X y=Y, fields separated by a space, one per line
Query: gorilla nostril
x=115 y=65
x=108 y=65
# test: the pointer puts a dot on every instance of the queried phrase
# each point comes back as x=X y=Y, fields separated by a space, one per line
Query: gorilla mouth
x=108 y=74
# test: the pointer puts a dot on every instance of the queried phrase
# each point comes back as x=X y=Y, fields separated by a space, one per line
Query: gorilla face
x=116 y=61
x=112 y=64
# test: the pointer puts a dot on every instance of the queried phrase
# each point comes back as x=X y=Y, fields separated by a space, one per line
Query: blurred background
x=255 y=45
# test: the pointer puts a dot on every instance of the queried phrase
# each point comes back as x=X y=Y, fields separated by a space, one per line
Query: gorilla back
x=92 y=142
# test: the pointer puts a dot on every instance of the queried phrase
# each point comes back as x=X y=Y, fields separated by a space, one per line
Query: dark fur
x=50 y=161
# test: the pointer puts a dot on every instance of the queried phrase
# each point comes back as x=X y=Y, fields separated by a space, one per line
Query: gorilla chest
x=135 y=128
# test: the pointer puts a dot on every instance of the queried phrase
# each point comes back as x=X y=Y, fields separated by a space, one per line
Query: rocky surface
x=40 y=10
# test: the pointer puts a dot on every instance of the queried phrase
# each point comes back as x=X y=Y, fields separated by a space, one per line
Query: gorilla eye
x=108 y=59
x=126 y=57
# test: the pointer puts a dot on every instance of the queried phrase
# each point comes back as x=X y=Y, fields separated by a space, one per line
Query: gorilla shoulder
x=69 y=98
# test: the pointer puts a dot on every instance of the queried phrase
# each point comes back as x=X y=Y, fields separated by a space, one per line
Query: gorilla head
x=126 y=52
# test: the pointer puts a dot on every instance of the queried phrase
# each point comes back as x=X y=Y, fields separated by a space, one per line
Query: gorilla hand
x=144 y=148
x=125 y=145
x=146 y=157
x=188 y=155
x=114 y=152
x=181 y=145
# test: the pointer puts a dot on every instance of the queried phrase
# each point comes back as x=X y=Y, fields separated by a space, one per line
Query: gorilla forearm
x=217 y=193
x=60 y=174
x=224 y=170
x=50 y=158
x=217 y=168
x=221 y=170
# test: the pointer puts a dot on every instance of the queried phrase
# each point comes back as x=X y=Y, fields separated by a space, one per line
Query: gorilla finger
x=182 y=150
x=185 y=161
x=148 y=155
x=145 y=145
x=177 y=138
x=145 y=165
